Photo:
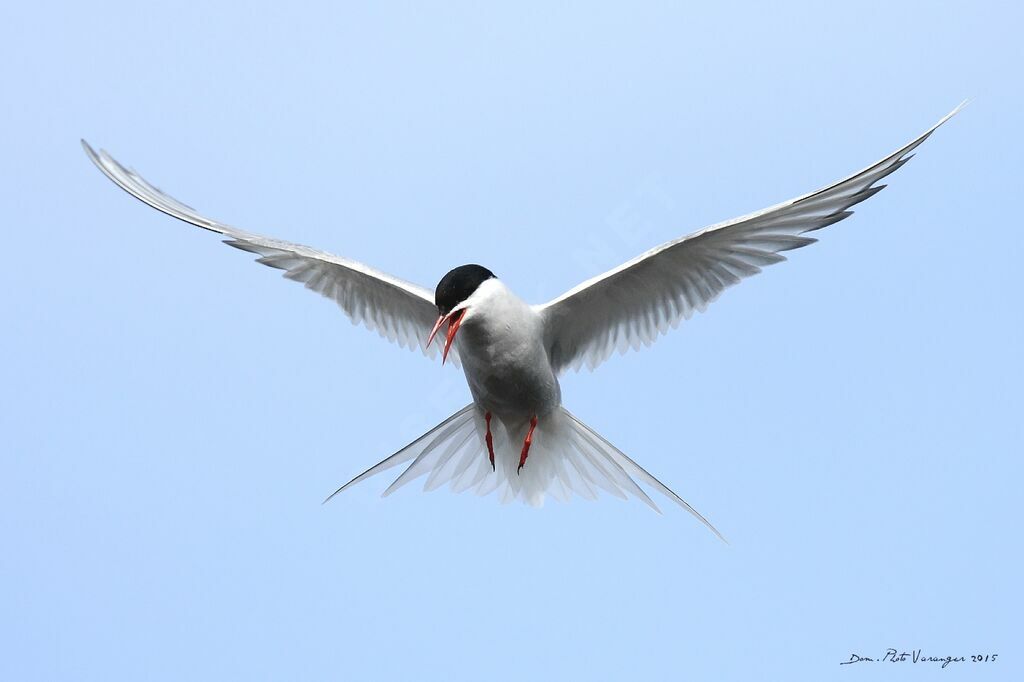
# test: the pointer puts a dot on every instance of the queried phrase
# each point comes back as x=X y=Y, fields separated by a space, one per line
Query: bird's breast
x=506 y=365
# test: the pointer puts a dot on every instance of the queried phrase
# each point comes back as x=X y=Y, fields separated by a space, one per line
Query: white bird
x=515 y=437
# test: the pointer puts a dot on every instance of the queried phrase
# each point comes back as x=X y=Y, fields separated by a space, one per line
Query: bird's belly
x=508 y=376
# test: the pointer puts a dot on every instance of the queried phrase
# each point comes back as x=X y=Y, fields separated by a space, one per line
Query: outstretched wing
x=397 y=310
x=636 y=302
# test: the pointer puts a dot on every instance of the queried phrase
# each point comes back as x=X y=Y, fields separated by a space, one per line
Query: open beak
x=454 y=319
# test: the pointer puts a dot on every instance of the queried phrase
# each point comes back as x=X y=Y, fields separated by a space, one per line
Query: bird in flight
x=515 y=438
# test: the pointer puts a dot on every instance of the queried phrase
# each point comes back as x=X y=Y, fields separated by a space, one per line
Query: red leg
x=490 y=441
x=526 y=443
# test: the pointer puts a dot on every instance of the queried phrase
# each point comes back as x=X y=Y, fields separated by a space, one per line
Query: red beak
x=453 y=327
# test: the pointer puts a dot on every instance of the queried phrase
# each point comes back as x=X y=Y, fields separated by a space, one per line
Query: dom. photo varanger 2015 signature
x=918 y=656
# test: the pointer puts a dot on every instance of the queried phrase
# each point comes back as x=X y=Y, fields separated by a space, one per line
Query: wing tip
x=956 y=110
x=342 y=489
x=94 y=156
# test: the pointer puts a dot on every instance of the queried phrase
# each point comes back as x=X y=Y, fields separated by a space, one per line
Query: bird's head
x=452 y=300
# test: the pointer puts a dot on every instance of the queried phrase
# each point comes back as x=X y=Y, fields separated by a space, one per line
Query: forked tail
x=567 y=457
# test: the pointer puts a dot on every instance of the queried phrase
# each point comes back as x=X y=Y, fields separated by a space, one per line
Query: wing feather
x=398 y=310
x=633 y=304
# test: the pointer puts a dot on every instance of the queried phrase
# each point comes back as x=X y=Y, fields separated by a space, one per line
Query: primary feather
x=398 y=310
x=631 y=305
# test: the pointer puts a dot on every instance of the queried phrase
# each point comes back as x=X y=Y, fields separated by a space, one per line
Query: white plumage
x=568 y=458
x=634 y=303
x=394 y=308
x=512 y=353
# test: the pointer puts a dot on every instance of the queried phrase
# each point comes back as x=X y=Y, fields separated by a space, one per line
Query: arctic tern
x=515 y=437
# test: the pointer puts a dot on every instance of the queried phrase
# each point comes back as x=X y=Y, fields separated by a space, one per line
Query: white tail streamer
x=566 y=458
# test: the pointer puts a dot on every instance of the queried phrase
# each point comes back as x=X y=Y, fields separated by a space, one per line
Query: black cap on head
x=458 y=285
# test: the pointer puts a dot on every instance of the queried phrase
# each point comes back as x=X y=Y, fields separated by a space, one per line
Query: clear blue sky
x=173 y=414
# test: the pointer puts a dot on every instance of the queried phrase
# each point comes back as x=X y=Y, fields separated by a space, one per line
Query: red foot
x=490 y=441
x=526 y=443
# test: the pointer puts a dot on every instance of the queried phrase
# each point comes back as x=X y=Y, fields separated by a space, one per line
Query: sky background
x=173 y=414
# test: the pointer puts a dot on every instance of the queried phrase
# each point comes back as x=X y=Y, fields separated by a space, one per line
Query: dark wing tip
x=91 y=153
